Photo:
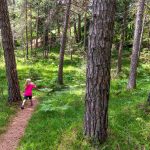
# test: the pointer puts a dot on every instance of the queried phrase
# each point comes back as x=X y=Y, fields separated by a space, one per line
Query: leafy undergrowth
x=5 y=112
x=58 y=120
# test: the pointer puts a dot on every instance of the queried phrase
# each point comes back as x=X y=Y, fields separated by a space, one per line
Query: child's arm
x=34 y=86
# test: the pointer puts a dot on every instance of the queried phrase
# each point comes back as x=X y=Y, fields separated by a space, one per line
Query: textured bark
x=10 y=62
x=121 y=44
x=141 y=39
x=63 y=44
x=13 y=29
x=85 y=32
x=98 y=69
x=136 y=45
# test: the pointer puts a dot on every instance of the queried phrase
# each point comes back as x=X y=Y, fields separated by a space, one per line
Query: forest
x=87 y=63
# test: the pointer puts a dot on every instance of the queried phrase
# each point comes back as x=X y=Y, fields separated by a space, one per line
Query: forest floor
x=10 y=139
x=57 y=123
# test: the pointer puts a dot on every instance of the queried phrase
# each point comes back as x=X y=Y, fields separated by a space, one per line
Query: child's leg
x=23 y=102
x=22 y=106
x=31 y=100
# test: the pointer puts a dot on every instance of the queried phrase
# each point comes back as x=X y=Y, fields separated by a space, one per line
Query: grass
x=5 y=110
x=58 y=120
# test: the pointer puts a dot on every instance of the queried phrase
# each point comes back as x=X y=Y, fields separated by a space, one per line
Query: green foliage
x=60 y=113
x=61 y=109
x=5 y=110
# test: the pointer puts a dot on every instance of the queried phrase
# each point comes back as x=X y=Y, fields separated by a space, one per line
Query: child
x=28 y=92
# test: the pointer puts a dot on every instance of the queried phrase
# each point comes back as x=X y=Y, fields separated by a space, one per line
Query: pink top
x=28 y=89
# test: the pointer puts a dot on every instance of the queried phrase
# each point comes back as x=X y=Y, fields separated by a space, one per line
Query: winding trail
x=11 y=138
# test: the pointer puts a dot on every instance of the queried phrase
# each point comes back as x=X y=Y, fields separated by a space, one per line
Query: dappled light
x=74 y=75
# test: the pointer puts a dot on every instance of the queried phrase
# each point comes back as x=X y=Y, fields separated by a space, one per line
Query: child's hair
x=27 y=82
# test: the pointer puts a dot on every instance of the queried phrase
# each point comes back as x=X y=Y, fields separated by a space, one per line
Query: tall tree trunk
x=37 y=28
x=75 y=31
x=136 y=45
x=58 y=28
x=79 y=27
x=85 y=32
x=51 y=14
x=46 y=40
x=63 y=44
x=149 y=39
x=142 y=31
x=27 y=47
x=10 y=62
x=121 y=44
x=69 y=28
x=31 y=38
x=13 y=30
x=98 y=69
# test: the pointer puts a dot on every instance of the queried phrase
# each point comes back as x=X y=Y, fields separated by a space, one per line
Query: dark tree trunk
x=149 y=39
x=148 y=99
x=98 y=70
x=141 y=39
x=37 y=28
x=10 y=62
x=79 y=27
x=46 y=43
x=31 y=28
x=85 y=32
x=75 y=31
x=46 y=32
x=121 y=44
x=27 y=47
x=13 y=30
x=136 y=45
x=69 y=24
x=58 y=28
x=63 y=44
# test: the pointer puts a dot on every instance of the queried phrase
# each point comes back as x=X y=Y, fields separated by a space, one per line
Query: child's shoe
x=22 y=107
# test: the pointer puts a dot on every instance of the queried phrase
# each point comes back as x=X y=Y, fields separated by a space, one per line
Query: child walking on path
x=29 y=86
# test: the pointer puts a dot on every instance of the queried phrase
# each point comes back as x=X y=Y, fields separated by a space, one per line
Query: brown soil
x=10 y=139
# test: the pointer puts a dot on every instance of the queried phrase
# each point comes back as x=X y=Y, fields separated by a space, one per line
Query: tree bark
x=10 y=62
x=142 y=31
x=63 y=44
x=85 y=32
x=136 y=45
x=13 y=30
x=26 y=17
x=58 y=28
x=46 y=43
x=37 y=28
x=98 y=70
x=79 y=27
x=51 y=14
x=121 y=45
x=75 y=31
x=31 y=36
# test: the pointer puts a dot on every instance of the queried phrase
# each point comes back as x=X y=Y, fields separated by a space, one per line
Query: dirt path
x=10 y=139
